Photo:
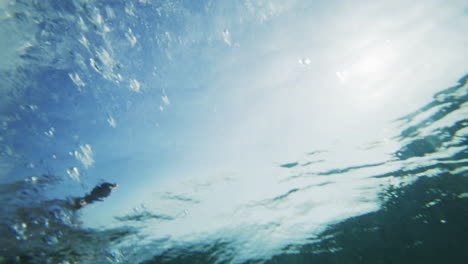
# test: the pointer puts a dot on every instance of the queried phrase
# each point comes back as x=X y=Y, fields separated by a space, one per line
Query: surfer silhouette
x=97 y=194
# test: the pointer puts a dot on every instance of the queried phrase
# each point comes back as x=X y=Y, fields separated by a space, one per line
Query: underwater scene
x=233 y=132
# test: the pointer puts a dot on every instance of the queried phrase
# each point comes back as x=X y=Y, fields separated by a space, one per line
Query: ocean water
x=243 y=131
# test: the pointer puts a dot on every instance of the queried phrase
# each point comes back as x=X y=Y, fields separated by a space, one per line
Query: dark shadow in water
x=448 y=100
x=143 y=216
x=444 y=104
x=422 y=223
x=35 y=230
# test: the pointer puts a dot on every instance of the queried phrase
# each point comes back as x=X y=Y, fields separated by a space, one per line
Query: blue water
x=238 y=131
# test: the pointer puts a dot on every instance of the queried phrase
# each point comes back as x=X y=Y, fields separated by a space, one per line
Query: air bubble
x=135 y=86
x=50 y=133
x=305 y=61
x=111 y=121
x=74 y=173
x=20 y=230
x=165 y=99
x=51 y=240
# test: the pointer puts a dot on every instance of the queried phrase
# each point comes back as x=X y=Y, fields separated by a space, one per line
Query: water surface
x=238 y=131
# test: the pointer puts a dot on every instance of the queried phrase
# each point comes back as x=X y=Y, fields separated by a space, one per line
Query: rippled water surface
x=244 y=131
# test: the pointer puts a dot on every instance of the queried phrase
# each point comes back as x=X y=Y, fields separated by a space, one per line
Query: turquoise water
x=237 y=131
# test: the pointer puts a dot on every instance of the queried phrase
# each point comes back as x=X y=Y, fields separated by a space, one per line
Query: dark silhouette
x=97 y=194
